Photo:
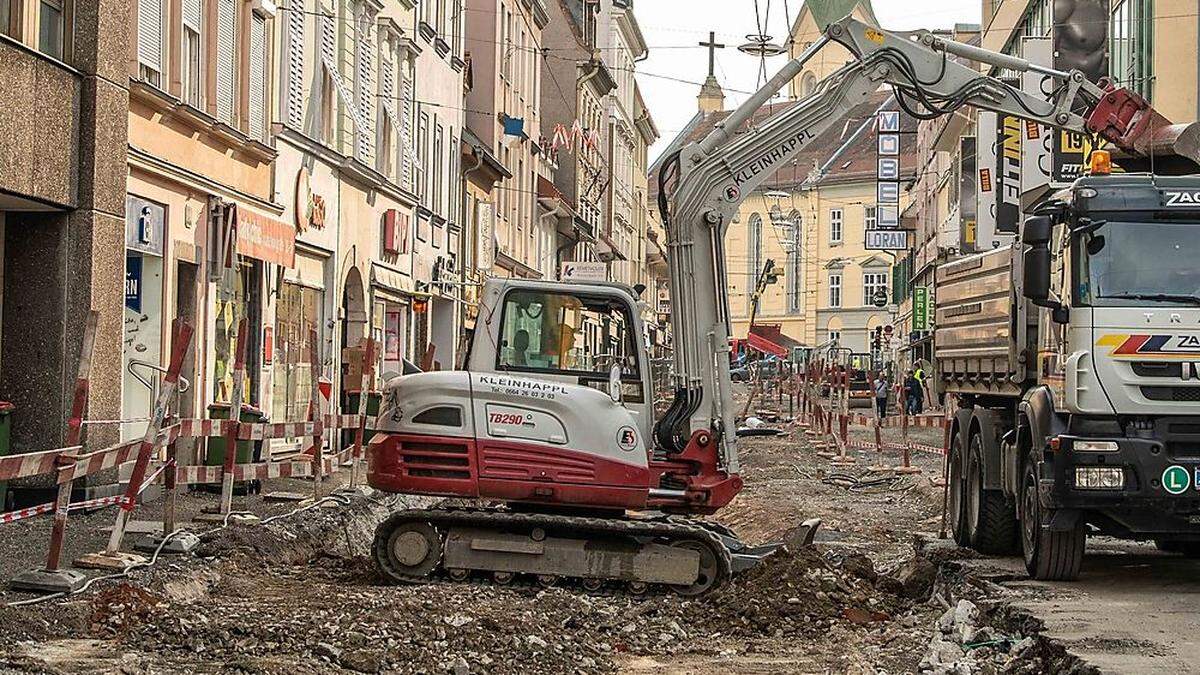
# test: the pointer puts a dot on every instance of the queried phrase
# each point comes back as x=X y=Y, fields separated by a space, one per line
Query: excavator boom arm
x=713 y=176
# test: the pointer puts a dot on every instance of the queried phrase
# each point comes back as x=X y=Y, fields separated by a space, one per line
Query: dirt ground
x=300 y=595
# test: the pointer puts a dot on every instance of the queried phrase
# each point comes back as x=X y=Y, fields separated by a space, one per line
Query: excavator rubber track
x=461 y=544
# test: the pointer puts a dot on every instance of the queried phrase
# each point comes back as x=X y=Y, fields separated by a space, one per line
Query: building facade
x=575 y=124
x=504 y=39
x=62 y=209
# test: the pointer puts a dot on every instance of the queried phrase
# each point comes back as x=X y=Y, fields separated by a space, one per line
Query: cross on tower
x=713 y=46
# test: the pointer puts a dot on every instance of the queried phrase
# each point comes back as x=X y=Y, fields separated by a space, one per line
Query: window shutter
x=295 y=71
x=407 y=152
x=226 y=53
x=364 y=81
x=258 y=76
x=192 y=11
x=149 y=26
x=329 y=61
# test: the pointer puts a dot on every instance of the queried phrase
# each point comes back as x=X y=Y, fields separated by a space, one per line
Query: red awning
x=769 y=339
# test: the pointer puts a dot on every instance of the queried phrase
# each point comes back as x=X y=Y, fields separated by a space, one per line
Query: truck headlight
x=1099 y=477
x=1094 y=446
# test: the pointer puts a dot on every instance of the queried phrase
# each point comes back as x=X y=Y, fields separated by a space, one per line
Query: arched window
x=753 y=256
x=792 y=274
x=808 y=82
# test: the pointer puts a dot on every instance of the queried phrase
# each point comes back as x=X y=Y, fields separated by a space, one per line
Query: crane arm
x=712 y=177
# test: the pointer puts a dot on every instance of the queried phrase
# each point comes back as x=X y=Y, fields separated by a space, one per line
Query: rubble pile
x=801 y=592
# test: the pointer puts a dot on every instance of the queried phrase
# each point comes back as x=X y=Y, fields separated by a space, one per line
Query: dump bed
x=980 y=324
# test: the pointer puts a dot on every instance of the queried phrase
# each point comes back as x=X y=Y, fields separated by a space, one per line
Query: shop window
x=298 y=311
x=239 y=296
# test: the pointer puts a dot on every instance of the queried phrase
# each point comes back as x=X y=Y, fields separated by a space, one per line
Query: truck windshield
x=1125 y=263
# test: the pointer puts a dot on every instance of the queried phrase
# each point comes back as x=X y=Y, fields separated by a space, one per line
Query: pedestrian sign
x=1176 y=479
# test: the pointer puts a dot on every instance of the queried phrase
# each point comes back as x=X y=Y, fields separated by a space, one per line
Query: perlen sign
x=920 y=308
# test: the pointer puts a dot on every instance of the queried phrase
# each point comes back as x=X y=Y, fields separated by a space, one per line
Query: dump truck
x=1074 y=358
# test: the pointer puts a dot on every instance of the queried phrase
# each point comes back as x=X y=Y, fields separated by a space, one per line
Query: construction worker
x=919 y=376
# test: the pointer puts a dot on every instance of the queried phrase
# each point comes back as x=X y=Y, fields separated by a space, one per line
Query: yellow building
x=808 y=27
x=809 y=219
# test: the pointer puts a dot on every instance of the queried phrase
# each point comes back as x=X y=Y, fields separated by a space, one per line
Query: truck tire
x=991 y=518
x=1049 y=555
x=955 y=492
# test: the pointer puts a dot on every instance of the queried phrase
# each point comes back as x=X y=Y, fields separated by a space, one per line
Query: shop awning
x=770 y=339
x=391 y=279
x=263 y=237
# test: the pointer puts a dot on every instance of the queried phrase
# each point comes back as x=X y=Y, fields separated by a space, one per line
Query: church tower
x=712 y=97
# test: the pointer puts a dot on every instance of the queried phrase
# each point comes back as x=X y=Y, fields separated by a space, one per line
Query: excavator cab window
x=569 y=334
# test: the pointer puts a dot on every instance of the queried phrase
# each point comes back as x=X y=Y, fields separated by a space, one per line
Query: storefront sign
x=309 y=207
x=264 y=238
x=395 y=232
x=584 y=271
x=920 y=308
x=887 y=189
x=144 y=225
x=486 y=244
x=133 y=282
x=1008 y=173
x=886 y=240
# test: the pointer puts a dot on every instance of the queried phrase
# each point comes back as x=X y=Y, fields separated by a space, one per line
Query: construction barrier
x=72 y=463
x=822 y=393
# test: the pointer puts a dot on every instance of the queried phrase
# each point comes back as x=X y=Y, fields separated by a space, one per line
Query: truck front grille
x=1157 y=369
x=1177 y=394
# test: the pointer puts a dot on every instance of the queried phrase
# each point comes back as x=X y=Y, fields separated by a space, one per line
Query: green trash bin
x=6 y=410
x=246 y=450
x=350 y=407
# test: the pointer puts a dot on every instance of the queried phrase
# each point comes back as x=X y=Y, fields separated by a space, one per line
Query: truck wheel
x=1188 y=549
x=954 y=492
x=1049 y=556
x=991 y=519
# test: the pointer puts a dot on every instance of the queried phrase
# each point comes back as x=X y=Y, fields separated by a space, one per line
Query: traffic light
x=877 y=338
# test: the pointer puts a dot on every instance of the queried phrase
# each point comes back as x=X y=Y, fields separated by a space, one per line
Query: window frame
x=584 y=375
x=837 y=226
x=835 y=285
x=873 y=280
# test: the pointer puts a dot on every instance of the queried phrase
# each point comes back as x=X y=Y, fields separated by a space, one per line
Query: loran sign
x=584 y=271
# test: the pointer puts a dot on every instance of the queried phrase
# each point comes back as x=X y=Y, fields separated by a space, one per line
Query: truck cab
x=1075 y=357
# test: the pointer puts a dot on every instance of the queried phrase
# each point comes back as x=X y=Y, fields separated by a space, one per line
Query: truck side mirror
x=1036 y=280
x=1037 y=231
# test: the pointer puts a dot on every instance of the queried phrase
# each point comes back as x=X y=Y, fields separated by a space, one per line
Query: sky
x=670 y=77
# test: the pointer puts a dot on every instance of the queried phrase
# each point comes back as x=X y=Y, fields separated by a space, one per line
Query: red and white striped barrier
x=265 y=430
x=48 y=507
x=32 y=463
